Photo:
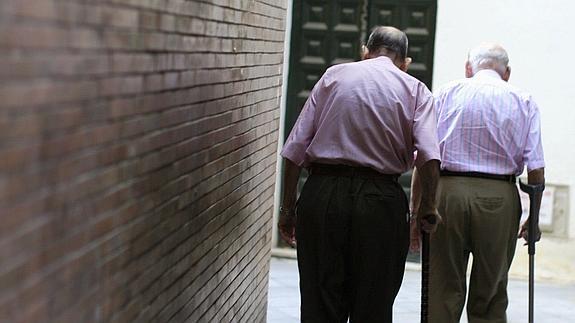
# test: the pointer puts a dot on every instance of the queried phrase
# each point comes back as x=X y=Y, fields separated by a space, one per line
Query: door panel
x=384 y=14
x=419 y=24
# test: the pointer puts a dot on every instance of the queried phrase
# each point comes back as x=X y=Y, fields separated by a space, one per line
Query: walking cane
x=425 y=272
x=535 y=192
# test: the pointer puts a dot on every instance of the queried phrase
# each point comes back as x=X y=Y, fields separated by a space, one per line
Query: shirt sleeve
x=425 y=128
x=303 y=131
x=533 y=152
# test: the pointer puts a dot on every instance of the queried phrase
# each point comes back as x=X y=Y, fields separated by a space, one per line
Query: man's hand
x=418 y=224
x=286 y=225
x=429 y=219
x=423 y=201
x=287 y=219
x=534 y=177
x=524 y=233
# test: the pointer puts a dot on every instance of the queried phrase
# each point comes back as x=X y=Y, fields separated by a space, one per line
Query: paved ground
x=555 y=303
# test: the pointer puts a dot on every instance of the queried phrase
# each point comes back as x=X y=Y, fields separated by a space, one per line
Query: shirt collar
x=383 y=57
x=487 y=73
x=380 y=59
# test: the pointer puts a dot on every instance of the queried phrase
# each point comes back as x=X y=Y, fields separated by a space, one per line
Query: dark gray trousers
x=352 y=242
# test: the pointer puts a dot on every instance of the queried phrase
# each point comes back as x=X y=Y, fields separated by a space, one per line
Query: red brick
x=138 y=158
x=121 y=85
x=119 y=17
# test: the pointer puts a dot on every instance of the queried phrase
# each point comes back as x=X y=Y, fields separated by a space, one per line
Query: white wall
x=540 y=39
x=281 y=133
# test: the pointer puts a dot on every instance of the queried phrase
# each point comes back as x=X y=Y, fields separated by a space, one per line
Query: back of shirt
x=486 y=125
x=366 y=113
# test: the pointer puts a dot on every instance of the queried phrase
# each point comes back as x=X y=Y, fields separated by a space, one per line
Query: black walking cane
x=425 y=271
x=535 y=192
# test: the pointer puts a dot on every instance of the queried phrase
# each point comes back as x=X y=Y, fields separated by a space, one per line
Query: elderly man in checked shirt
x=488 y=132
x=357 y=132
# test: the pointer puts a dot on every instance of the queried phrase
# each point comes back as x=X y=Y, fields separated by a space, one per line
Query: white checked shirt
x=487 y=125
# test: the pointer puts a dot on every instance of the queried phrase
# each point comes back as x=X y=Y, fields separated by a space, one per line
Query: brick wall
x=137 y=158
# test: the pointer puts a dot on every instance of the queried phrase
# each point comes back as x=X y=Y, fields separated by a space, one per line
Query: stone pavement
x=554 y=302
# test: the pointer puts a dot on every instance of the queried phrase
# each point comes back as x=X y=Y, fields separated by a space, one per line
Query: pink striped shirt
x=487 y=125
x=366 y=113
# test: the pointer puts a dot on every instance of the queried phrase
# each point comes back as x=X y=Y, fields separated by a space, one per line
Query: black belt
x=349 y=171
x=505 y=178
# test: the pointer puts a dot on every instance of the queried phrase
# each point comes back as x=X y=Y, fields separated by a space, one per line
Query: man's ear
x=364 y=54
x=468 y=70
x=507 y=74
x=405 y=65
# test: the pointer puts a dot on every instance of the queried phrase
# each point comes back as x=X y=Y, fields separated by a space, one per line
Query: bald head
x=488 y=56
x=386 y=40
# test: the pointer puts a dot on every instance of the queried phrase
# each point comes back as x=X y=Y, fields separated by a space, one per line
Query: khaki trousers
x=481 y=217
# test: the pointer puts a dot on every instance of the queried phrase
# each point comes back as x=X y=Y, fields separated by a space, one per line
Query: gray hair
x=488 y=56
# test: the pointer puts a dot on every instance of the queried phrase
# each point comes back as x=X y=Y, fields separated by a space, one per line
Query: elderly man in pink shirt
x=488 y=132
x=356 y=134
